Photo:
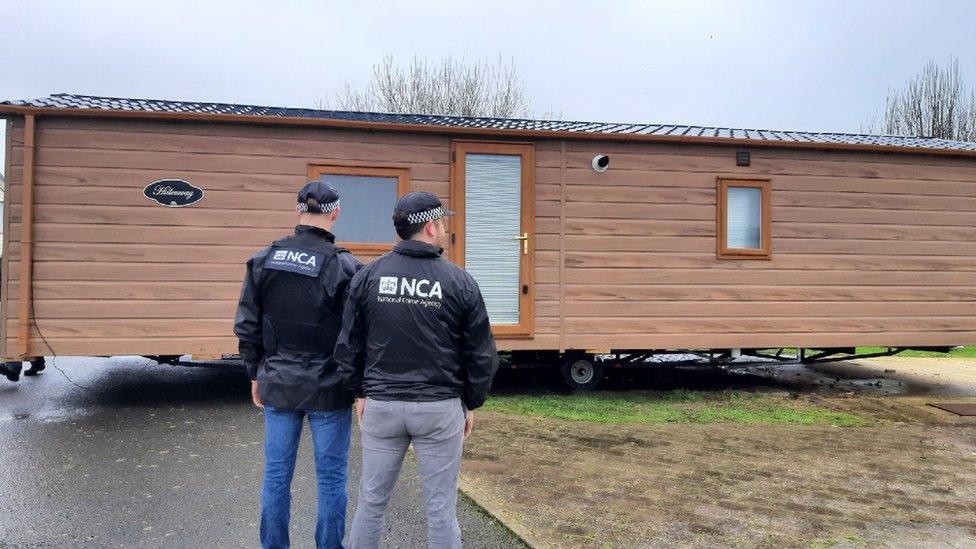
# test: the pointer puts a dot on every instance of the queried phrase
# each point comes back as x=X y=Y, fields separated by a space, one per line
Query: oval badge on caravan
x=173 y=193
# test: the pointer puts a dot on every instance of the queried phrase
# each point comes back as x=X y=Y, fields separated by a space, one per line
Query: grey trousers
x=436 y=430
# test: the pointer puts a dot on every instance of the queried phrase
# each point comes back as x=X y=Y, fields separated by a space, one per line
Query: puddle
x=835 y=378
x=612 y=441
x=49 y=416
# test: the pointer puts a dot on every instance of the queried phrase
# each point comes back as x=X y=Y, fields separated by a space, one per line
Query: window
x=367 y=197
x=744 y=223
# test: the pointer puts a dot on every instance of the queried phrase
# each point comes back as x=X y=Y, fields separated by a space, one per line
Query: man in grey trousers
x=416 y=349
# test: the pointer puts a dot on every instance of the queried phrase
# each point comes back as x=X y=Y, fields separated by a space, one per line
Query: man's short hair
x=406 y=232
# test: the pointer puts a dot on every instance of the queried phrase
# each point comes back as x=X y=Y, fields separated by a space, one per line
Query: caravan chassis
x=585 y=370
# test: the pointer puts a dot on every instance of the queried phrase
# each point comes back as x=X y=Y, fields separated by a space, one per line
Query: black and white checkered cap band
x=426 y=215
x=323 y=208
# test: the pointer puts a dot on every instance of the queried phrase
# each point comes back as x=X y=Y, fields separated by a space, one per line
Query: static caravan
x=128 y=223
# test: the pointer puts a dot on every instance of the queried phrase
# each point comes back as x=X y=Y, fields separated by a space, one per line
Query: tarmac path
x=144 y=455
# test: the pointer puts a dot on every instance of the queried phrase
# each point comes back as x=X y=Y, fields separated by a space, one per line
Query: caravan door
x=493 y=233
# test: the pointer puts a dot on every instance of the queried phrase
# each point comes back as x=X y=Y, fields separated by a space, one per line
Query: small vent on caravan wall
x=600 y=163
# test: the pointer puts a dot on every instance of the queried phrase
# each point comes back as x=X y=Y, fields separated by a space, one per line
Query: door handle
x=525 y=242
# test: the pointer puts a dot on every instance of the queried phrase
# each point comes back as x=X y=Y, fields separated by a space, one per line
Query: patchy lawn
x=967 y=351
x=673 y=407
x=961 y=352
x=827 y=468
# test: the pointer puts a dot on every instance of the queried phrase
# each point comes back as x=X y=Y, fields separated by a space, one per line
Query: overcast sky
x=819 y=65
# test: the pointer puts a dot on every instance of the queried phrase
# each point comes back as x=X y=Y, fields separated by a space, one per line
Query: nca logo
x=393 y=285
x=295 y=257
x=388 y=284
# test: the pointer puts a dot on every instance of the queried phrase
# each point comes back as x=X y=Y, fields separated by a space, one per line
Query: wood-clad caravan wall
x=867 y=249
x=9 y=270
x=115 y=273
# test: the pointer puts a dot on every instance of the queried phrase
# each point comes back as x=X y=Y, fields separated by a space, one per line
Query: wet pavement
x=130 y=453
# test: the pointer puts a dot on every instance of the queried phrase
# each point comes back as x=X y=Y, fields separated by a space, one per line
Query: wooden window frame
x=526 y=326
x=315 y=171
x=723 y=251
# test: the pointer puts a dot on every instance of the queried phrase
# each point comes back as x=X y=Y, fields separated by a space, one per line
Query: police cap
x=418 y=207
x=318 y=197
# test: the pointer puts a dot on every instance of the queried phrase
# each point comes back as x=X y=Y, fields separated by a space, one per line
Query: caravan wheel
x=582 y=373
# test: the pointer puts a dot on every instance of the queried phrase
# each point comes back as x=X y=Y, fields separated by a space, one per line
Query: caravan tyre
x=36 y=366
x=582 y=373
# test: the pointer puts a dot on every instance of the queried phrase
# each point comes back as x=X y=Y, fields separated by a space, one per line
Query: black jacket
x=415 y=328
x=289 y=317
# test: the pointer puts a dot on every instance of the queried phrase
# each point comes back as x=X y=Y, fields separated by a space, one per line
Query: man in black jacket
x=288 y=320
x=416 y=348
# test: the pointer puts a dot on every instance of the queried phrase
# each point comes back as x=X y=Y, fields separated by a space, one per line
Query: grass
x=962 y=352
x=680 y=406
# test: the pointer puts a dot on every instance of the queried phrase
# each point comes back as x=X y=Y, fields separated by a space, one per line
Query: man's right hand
x=255 y=396
x=468 y=423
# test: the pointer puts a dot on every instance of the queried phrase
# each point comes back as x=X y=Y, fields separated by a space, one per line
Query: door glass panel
x=493 y=213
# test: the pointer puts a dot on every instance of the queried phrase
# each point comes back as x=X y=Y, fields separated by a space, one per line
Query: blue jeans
x=330 y=436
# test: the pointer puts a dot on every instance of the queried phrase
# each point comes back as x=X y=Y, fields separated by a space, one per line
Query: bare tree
x=935 y=103
x=447 y=87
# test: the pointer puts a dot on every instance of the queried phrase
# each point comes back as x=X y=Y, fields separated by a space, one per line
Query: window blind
x=744 y=217
x=493 y=203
